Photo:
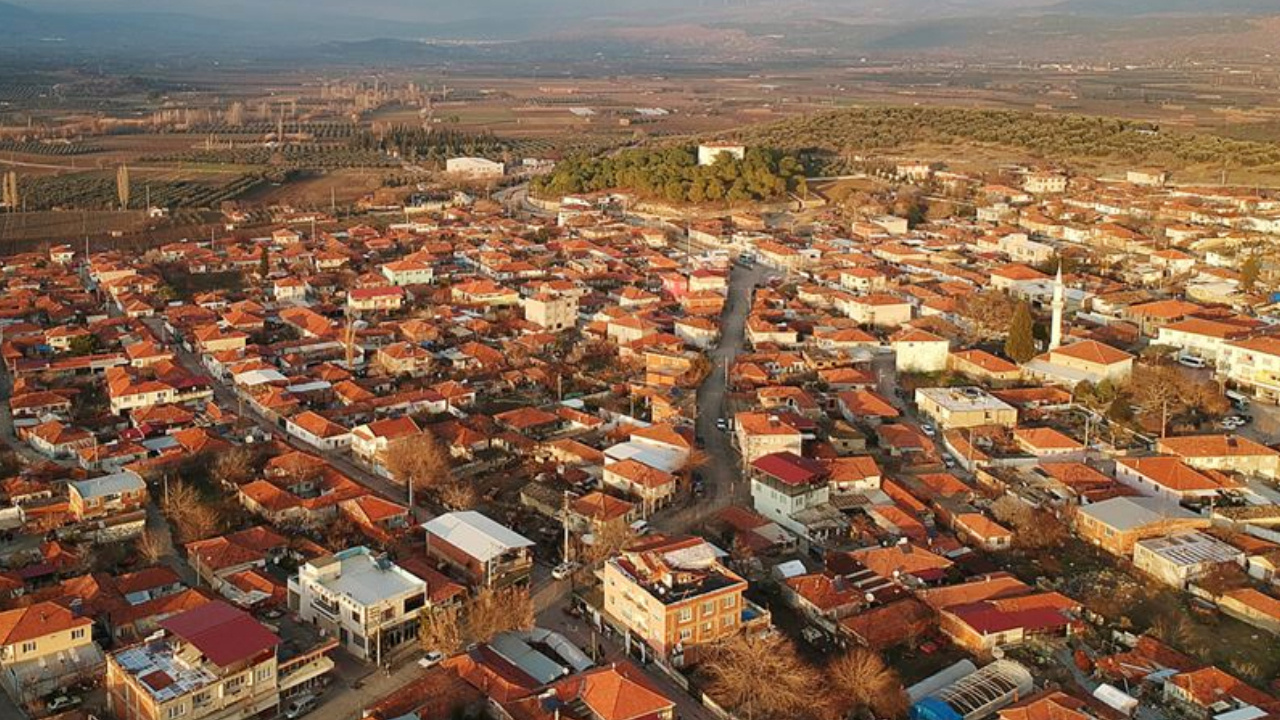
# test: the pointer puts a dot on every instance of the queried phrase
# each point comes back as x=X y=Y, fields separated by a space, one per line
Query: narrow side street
x=226 y=397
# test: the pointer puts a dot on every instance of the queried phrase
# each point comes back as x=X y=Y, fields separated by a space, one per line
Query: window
x=686 y=614
x=727 y=621
x=729 y=601
x=202 y=699
x=29 y=647
x=708 y=607
x=686 y=634
x=77 y=634
x=263 y=674
x=178 y=710
x=355 y=614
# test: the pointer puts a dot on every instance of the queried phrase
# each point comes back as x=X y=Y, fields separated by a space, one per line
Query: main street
x=722 y=474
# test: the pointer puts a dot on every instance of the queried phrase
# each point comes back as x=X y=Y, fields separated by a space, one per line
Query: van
x=1191 y=361
x=300 y=706
x=1239 y=399
x=640 y=527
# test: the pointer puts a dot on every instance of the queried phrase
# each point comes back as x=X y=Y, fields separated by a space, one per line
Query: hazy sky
x=453 y=10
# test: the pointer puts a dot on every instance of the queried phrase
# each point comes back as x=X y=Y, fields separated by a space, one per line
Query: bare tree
x=607 y=540
x=458 y=495
x=1172 y=629
x=122 y=186
x=234 y=467
x=760 y=677
x=420 y=460
x=441 y=630
x=1157 y=391
x=490 y=613
x=1011 y=511
x=150 y=548
x=989 y=314
x=193 y=518
x=860 y=681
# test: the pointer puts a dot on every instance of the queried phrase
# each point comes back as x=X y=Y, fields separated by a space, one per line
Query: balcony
x=755 y=618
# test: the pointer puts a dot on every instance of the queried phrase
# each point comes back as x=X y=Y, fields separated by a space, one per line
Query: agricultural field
x=98 y=191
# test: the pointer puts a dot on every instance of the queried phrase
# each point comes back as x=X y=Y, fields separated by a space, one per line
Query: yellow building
x=44 y=647
x=965 y=407
x=674 y=594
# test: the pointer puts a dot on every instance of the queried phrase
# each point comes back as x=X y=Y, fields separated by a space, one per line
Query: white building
x=1181 y=558
x=368 y=603
x=919 y=351
x=710 y=152
x=474 y=167
x=552 y=312
x=408 y=272
x=1253 y=365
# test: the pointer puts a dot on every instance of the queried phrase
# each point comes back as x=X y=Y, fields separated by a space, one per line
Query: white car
x=431 y=659
x=563 y=570
x=300 y=706
x=63 y=702
x=928 y=429
x=1191 y=361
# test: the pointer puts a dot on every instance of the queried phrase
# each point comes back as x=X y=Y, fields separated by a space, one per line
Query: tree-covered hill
x=1057 y=137
x=673 y=174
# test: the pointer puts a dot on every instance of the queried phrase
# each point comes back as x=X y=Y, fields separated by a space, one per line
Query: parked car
x=563 y=570
x=300 y=706
x=928 y=430
x=722 y=424
x=431 y=659
x=1239 y=399
x=63 y=702
x=1192 y=361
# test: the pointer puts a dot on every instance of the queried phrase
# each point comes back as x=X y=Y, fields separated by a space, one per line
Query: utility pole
x=564 y=522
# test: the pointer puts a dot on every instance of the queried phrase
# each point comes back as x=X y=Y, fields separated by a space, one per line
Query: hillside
x=1059 y=138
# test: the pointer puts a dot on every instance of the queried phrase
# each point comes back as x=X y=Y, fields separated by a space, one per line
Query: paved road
x=722 y=474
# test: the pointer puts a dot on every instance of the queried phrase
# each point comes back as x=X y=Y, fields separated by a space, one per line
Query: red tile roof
x=222 y=633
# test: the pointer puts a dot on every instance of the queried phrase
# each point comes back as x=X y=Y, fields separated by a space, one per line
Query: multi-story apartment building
x=44 y=647
x=762 y=433
x=214 y=662
x=367 y=602
x=1252 y=365
x=552 y=312
x=675 y=595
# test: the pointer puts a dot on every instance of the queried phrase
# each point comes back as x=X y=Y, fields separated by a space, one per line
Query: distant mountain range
x=555 y=28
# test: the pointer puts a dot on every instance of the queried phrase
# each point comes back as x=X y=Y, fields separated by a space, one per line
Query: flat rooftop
x=364 y=578
x=964 y=399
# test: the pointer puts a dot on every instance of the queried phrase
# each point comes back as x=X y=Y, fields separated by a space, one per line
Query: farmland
x=97 y=191
x=200 y=137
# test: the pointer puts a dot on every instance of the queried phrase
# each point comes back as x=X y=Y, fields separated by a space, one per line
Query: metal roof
x=475 y=534
x=121 y=482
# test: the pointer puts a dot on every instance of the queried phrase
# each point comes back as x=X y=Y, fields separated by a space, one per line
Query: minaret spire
x=1059 y=304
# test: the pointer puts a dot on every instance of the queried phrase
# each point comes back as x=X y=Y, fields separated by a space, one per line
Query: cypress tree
x=1020 y=346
